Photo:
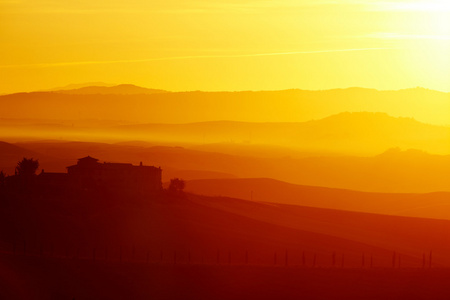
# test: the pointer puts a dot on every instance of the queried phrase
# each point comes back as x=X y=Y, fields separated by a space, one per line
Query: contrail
x=62 y=64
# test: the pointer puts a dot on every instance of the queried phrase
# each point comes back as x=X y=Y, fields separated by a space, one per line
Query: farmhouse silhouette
x=90 y=175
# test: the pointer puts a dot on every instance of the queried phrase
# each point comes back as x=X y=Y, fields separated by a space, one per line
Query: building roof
x=87 y=159
x=93 y=162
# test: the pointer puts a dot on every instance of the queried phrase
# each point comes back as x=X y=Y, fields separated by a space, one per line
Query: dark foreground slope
x=196 y=229
x=170 y=228
x=31 y=278
x=116 y=246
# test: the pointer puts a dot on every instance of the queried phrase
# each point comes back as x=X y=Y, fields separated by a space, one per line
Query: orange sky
x=225 y=45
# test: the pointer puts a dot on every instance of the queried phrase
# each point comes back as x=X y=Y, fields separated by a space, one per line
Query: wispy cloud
x=63 y=64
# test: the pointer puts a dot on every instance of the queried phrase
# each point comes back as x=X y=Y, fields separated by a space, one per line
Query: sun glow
x=225 y=45
x=436 y=6
x=421 y=19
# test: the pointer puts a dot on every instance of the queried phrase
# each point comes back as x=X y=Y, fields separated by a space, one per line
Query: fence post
x=431 y=256
x=286 y=259
x=229 y=257
x=275 y=259
x=314 y=260
x=304 y=259
x=393 y=260
x=246 y=257
x=148 y=256
x=342 y=261
x=334 y=259
x=218 y=257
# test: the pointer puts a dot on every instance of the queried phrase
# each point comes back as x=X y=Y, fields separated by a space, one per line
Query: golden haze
x=296 y=192
x=225 y=45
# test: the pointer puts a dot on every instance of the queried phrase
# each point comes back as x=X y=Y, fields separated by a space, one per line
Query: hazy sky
x=225 y=45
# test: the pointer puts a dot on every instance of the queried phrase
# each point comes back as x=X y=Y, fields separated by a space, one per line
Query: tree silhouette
x=176 y=185
x=2 y=178
x=27 y=167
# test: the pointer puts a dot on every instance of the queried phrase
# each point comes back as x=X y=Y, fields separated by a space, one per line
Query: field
x=51 y=278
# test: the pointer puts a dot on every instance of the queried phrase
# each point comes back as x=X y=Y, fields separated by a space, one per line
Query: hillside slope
x=205 y=229
x=263 y=106
x=392 y=171
x=431 y=205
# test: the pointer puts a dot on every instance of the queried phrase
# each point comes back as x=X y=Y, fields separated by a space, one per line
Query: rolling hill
x=359 y=134
x=264 y=106
x=392 y=171
x=432 y=205
x=122 y=89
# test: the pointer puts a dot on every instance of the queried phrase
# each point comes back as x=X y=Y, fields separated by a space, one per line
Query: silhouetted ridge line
x=122 y=89
x=290 y=105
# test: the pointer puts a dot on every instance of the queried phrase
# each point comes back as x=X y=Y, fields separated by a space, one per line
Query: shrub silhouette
x=27 y=167
x=176 y=185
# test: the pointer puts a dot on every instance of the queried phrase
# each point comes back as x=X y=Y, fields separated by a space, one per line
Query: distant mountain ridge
x=122 y=89
x=358 y=132
x=74 y=86
x=393 y=171
x=260 y=106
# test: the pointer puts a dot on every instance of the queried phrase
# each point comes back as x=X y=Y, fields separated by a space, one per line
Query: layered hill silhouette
x=122 y=89
x=361 y=133
x=74 y=86
x=352 y=133
x=10 y=154
x=183 y=107
x=432 y=205
x=283 y=188
x=395 y=170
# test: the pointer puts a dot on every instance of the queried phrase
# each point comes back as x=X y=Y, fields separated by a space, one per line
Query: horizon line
x=62 y=89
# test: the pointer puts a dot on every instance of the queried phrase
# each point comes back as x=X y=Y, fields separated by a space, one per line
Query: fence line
x=263 y=258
